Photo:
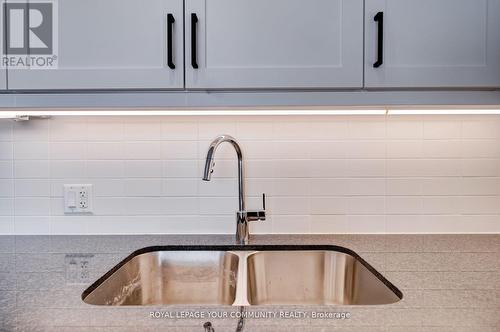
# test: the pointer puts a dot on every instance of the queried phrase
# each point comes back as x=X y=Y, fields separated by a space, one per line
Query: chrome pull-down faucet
x=242 y=215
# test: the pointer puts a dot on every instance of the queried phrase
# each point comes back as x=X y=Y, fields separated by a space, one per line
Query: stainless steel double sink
x=242 y=276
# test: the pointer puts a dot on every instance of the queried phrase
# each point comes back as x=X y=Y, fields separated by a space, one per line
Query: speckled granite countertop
x=449 y=282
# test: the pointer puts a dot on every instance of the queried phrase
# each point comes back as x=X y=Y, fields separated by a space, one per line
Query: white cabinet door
x=433 y=43
x=112 y=44
x=245 y=44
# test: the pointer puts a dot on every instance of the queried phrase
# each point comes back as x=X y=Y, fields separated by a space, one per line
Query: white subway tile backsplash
x=329 y=205
x=6 y=169
x=32 y=187
x=110 y=206
x=442 y=129
x=65 y=130
x=143 y=187
x=6 y=188
x=105 y=130
x=69 y=225
x=440 y=204
x=105 y=169
x=329 y=224
x=291 y=168
x=142 y=131
x=25 y=225
x=143 y=206
x=172 y=150
x=31 y=131
x=68 y=151
x=327 y=130
x=342 y=174
x=328 y=187
x=181 y=169
x=329 y=149
x=6 y=150
x=441 y=149
x=291 y=224
x=183 y=187
x=208 y=129
x=441 y=186
x=7 y=226
x=142 y=150
x=222 y=187
x=480 y=149
x=289 y=150
x=32 y=206
x=479 y=205
x=483 y=167
x=252 y=168
x=6 y=206
x=6 y=133
x=480 y=186
x=31 y=150
x=289 y=205
x=67 y=169
x=143 y=168
x=218 y=205
x=404 y=149
x=365 y=149
x=403 y=205
x=404 y=129
x=179 y=130
x=290 y=187
x=487 y=127
x=366 y=186
x=324 y=168
x=403 y=186
x=363 y=130
x=104 y=187
x=366 y=224
x=255 y=187
x=366 y=167
x=255 y=130
x=105 y=151
x=31 y=169
x=366 y=205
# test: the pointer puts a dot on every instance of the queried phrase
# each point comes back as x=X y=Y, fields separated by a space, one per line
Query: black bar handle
x=194 y=21
x=170 y=28
x=379 y=18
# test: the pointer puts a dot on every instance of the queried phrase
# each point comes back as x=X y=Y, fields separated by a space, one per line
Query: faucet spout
x=242 y=216
x=210 y=164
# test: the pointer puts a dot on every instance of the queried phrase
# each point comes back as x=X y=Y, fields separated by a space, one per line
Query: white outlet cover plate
x=78 y=198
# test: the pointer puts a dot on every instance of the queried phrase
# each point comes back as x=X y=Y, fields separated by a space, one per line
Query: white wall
x=321 y=174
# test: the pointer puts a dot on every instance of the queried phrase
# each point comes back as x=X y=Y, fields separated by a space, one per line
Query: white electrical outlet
x=77 y=198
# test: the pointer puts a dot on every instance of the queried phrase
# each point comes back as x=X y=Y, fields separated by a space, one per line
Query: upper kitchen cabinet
x=432 y=43
x=101 y=44
x=253 y=44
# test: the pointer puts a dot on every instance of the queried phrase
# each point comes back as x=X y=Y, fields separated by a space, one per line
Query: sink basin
x=242 y=276
x=170 y=277
x=316 y=277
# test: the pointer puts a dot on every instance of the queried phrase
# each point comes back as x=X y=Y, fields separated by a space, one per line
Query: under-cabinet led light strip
x=27 y=113
x=181 y=112
x=472 y=111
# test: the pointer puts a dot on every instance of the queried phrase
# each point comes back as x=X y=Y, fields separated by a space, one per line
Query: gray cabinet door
x=111 y=44
x=246 y=44
x=433 y=43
